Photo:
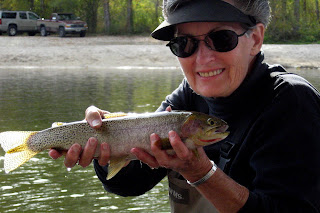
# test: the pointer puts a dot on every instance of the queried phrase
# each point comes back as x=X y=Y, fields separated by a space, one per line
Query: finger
x=72 y=156
x=145 y=157
x=88 y=152
x=160 y=155
x=179 y=147
x=94 y=108
x=93 y=116
x=104 y=156
x=54 y=154
x=169 y=109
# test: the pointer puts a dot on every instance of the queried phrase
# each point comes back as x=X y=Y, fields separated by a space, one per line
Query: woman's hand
x=193 y=167
x=84 y=156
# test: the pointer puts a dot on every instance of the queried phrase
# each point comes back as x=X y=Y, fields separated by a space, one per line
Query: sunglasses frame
x=205 y=40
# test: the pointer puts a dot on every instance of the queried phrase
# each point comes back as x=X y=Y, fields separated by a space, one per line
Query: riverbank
x=102 y=52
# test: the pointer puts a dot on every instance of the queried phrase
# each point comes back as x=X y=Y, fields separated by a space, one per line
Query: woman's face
x=217 y=74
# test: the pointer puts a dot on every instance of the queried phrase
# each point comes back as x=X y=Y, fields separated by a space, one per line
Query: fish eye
x=211 y=122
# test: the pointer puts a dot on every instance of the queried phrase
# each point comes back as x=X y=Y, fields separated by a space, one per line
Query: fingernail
x=95 y=123
x=172 y=134
x=92 y=142
x=133 y=151
x=153 y=138
x=104 y=146
x=50 y=151
x=76 y=149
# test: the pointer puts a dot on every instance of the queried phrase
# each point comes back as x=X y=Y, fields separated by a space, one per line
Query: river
x=32 y=99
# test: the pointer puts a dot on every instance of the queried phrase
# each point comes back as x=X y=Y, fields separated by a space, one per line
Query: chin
x=207 y=94
x=210 y=92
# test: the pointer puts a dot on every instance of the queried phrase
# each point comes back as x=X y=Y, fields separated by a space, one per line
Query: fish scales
x=129 y=132
x=60 y=137
x=135 y=132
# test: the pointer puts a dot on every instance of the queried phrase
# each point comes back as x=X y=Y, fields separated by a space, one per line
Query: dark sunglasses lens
x=183 y=46
x=223 y=40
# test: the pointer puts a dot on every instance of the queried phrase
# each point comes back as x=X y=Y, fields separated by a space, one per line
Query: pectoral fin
x=196 y=153
x=115 y=165
x=164 y=144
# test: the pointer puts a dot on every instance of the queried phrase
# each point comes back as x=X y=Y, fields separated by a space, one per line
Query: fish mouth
x=223 y=128
x=214 y=135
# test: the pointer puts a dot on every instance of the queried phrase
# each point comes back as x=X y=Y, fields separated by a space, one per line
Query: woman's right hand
x=84 y=156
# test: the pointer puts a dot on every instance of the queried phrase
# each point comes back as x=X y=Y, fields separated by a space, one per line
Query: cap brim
x=200 y=11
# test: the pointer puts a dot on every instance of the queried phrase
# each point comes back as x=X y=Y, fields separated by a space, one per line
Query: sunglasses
x=220 y=41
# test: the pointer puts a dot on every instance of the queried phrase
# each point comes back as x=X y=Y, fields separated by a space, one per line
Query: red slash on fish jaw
x=209 y=141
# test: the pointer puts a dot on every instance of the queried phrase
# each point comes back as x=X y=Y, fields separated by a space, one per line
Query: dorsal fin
x=56 y=124
x=114 y=115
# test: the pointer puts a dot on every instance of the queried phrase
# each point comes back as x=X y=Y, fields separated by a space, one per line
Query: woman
x=269 y=162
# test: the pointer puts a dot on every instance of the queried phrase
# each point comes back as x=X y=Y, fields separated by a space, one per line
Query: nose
x=204 y=54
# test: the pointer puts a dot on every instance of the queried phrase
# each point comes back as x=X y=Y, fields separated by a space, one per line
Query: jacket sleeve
x=286 y=158
x=138 y=178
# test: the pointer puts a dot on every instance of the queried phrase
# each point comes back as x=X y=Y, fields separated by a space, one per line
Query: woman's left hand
x=184 y=161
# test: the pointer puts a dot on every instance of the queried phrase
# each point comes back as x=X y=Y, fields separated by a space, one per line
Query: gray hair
x=259 y=9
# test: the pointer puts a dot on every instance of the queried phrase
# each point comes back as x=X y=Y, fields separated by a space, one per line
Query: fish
x=122 y=131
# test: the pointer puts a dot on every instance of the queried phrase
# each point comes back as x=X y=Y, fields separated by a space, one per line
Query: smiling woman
x=261 y=166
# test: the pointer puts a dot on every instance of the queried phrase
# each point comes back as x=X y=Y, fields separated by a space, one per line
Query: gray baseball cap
x=201 y=11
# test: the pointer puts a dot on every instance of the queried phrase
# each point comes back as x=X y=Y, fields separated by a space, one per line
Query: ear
x=257 y=36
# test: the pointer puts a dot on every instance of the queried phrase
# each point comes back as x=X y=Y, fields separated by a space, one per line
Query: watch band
x=204 y=178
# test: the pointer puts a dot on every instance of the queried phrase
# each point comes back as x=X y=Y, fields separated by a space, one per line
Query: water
x=34 y=99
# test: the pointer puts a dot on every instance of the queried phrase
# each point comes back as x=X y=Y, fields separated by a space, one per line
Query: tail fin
x=15 y=145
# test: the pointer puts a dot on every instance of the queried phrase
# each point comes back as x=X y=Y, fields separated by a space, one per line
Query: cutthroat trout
x=121 y=131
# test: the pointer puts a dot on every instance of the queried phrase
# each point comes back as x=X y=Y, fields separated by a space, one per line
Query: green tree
x=296 y=26
x=317 y=11
x=129 y=23
x=292 y=20
x=107 y=21
x=90 y=8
